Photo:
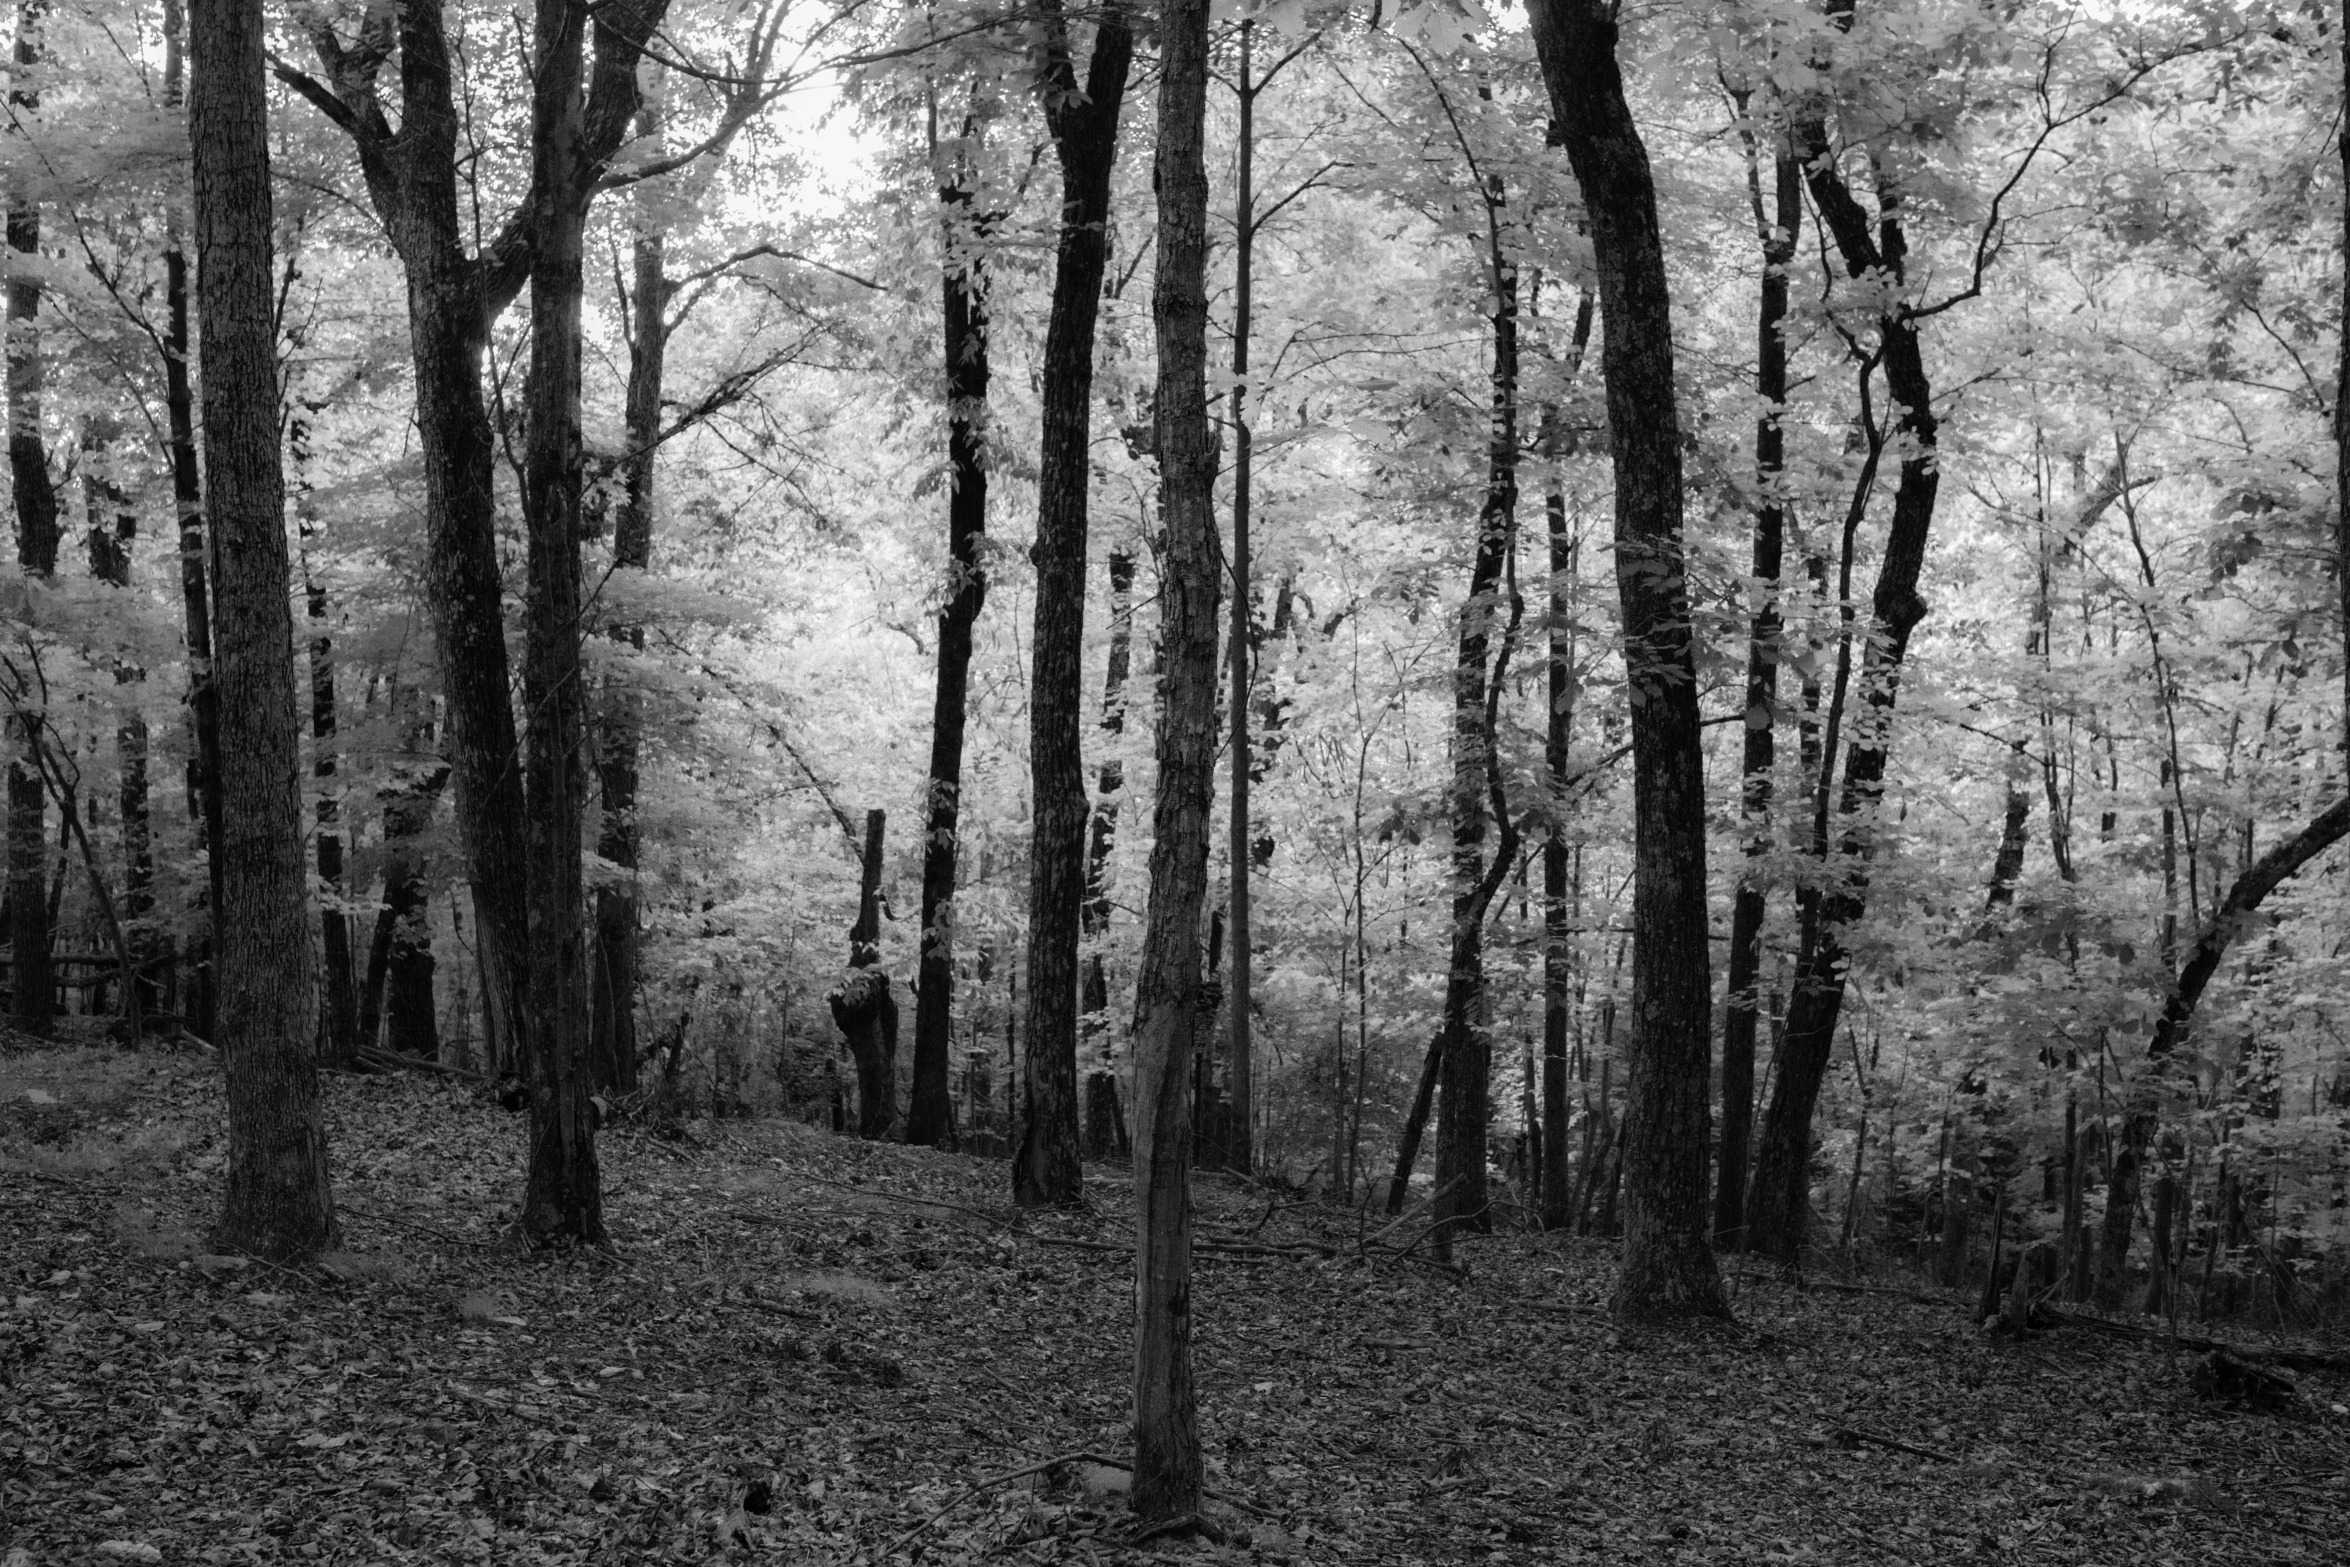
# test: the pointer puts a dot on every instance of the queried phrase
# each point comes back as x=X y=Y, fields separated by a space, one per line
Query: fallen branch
x=2296 y=1359
x=1008 y=1476
x=1854 y=1436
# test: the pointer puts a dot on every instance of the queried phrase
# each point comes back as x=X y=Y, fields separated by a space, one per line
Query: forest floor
x=805 y=1349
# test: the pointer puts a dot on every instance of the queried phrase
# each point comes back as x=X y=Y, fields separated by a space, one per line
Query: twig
x=1854 y=1436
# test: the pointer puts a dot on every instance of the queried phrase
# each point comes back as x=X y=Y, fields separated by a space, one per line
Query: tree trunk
x=1166 y=1421
x=563 y=1203
x=1778 y=229
x=1465 y=1075
x=33 y=992
x=1776 y=1208
x=612 y=1042
x=278 y=1204
x=1415 y=1122
x=1667 y=1269
x=338 y=1023
x=1085 y=136
x=862 y=1006
x=930 y=1118
x=1239 y=1118
x=179 y=402
x=1095 y=918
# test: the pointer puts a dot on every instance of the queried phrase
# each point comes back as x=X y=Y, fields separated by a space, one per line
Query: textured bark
x=32 y=987
x=1557 y=916
x=1094 y=921
x=862 y=1006
x=1776 y=1212
x=930 y=1116
x=1085 y=136
x=1778 y=229
x=278 y=1203
x=1166 y=1420
x=612 y=1040
x=338 y=1020
x=1667 y=1269
x=563 y=1202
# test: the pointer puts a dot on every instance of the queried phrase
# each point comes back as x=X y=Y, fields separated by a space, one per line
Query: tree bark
x=563 y=1202
x=930 y=1117
x=862 y=1006
x=32 y=987
x=1085 y=136
x=1166 y=1420
x=1777 y=230
x=1667 y=1269
x=338 y=1023
x=278 y=1203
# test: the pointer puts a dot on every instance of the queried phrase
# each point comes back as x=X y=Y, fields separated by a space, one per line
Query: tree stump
x=867 y=1016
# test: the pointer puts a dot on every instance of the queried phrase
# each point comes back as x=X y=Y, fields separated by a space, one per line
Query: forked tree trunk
x=862 y=1006
x=1777 y=228
x=1046 y=1168
x=278 y=1203
x=1166 y=1420
x=930 y=1117
x=1668 y=1267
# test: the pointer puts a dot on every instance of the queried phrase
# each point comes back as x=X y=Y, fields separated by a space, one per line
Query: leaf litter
x=814 y=1350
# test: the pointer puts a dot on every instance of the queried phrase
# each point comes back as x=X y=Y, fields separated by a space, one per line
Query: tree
x=930 y=1116
x=1045 y=1169
x=1166 y=1421
x=1668 y=1268
x=278 y=1202
x=32 y=996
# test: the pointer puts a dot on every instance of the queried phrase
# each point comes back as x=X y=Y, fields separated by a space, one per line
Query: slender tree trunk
x=1166 y=1421
x=612 y=1041
x=563 y=1200
x=1239 y=1117
x=33 y=991
x=862 y=1006
x=1557 y=937
x=278 y=1203
x=1668 y=1268
x=2140 y=1120
x=1085 y=136
x=930 y=1118
x=1776 y=1207
x=1095 y=920
x=338 y=1032
x=1778 y=228
x=179 y=402
x=1466 y=1073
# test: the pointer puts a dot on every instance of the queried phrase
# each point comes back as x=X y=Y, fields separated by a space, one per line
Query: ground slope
x=811 y=1350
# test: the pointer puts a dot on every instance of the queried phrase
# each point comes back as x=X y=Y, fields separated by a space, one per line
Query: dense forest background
x=2006 y=345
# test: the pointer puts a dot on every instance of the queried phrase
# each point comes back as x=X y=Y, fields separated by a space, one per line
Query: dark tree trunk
x=1776 y=1207
x=278 y=1203
x=1668 y=1268
x=1415 y=1122
x=400 y=924
x=1085 y=135
x=1777 y=228
x=612 y=1042
x=412 y=179
x=1166 y=1420
x=1095 y=921
x=1239 y=1110
x=862 y=1006
x=563 y=1202
x=33 y=992
x=1466 y=1072
x=179 y=402
x=338 y=1023
x=930 y=1116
